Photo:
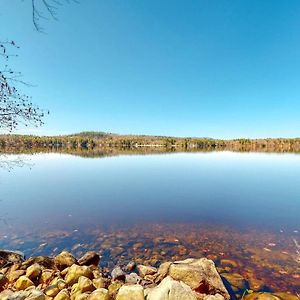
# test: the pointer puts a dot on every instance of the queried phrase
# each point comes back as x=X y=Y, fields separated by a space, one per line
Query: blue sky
x=185 y=68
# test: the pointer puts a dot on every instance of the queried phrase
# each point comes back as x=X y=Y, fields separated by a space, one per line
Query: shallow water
x=244 y=207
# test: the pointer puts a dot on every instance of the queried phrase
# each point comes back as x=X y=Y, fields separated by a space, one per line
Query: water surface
x=224 y=205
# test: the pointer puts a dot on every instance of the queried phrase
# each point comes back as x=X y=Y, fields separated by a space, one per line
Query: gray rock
x=133 y=278
x=118 y=274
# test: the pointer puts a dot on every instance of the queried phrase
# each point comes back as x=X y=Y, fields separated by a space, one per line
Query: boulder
x=131 y=292
x=64 y=259
x=170 y=289
x=200 y=275
x=89 y=258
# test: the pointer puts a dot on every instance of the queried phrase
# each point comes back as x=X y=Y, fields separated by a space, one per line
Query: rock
x=133 y=278
x=23 y=283
x=199 y=274
x=34 y=271
x=118 y=274
x=34 y=294
x=99 y=294
x=130 y=266
x=270 y=296
x=100 y=282
x=164 y=269
x=43 y=261
x=74 y=291
x=10 y=295
x=114 y=288
x=3 y=281
x=83 y=296
x=170 y=289
x=76 y=271
x=131 y=292
x=229 y=263
x=146 y=270
x=52 y=290
x=46 y=276
x=10 y=257
x=85 y=284
x=90 y=258
x=64 y=259
x=14 y=275
x=62 y=295
x=236 y=281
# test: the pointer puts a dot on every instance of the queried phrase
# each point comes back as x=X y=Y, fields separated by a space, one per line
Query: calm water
x=238 y=206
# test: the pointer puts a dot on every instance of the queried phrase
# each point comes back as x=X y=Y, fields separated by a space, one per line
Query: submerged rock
x=270 y=296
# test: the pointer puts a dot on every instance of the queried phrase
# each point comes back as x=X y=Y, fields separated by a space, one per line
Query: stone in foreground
x=200 y=275
x=170 y=289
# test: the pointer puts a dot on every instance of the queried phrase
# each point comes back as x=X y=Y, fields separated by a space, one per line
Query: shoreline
x=64 y=277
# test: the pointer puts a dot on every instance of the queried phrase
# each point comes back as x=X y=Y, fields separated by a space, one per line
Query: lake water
x=240 y=209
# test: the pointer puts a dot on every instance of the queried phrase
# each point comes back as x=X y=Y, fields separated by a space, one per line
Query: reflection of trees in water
x=10 y=162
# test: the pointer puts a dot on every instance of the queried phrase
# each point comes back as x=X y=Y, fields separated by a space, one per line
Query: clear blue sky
x=184 y=68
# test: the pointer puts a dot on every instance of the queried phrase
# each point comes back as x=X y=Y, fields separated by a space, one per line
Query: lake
x=240 y=209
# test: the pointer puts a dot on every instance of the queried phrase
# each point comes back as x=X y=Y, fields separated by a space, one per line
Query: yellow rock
x=62 y=295
x=23 y=283
x=33 y=271
x=52 y=290
x=85 y=284
x=64 y=259
x=131 y=292
x=99 y=294
x=46 y=276
x=76 y=271
x=99 y=283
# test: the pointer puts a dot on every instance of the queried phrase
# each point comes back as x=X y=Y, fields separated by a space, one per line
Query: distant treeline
x=97 y=140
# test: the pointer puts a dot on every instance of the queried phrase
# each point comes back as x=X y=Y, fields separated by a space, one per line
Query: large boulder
x=170 y=289
x=99 y=294
x=131 y=292
x=200 y=275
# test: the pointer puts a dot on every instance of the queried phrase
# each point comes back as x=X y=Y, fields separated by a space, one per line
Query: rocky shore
x=64 y=277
